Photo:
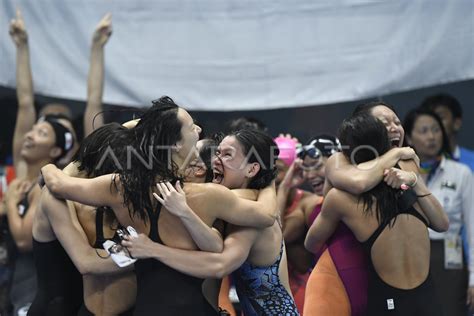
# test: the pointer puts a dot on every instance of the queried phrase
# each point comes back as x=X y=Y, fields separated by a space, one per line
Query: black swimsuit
x=24 y=284
x=384 y=299
x=164 y=291
x=59 y=283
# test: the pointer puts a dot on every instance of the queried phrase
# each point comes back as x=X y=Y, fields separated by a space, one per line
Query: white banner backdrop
x=241 y=54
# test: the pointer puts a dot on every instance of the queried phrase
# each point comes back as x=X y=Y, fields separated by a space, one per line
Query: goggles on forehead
x=309 y=150
x=320 y=146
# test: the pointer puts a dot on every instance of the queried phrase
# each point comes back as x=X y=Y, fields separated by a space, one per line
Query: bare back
x=104 y=294
x=401 y=253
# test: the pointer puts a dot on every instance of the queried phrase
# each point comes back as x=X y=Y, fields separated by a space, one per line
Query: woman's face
x=314 y=172
x=40 y=143
x=189 y=137
x=391 y=122
x=230 y=164
x=426 y=137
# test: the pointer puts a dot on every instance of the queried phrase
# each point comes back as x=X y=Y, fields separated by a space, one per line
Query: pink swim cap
x=287 y=149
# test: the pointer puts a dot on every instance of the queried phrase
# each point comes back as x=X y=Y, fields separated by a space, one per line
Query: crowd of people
x=152 y=217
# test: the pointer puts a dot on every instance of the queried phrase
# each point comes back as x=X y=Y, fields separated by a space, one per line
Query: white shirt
x=452 y=185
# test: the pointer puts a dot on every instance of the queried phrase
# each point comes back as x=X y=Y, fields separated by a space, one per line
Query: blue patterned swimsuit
x=261 y=292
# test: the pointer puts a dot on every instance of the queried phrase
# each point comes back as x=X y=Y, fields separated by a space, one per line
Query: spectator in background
x=449 y=110
x=245 y=123
x=451 y=183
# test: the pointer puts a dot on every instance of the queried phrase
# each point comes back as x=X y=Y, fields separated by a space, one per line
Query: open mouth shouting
x=395 y=141
x=218 y=176
x=317 y=185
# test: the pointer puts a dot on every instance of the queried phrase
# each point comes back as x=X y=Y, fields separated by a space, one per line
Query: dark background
x=302 y=122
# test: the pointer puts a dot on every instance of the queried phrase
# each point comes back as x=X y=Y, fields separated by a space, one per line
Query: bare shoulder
x=205 y=190
x=340 y=199
x=337 y=160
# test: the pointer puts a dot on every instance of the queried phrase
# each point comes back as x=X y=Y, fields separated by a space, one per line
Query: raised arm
x=26 y=114
x=356 y=179
x=293 y=179
x=95 y=81
x=99 y=191
x=325 y=224
x=237 y=246
x=68 y=231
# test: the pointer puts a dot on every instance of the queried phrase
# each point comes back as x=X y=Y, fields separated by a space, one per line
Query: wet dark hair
x=364 y=138
x=367 y=107
x=158 y=127
x=103 y=151
x=245 y=123
x=263 y=150
x=409 y=124
x=443 y=99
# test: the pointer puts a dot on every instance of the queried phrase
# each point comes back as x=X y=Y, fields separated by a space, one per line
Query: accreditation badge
x=453 y=255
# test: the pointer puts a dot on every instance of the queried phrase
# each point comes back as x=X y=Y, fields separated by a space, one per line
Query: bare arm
x=26 y=114
x=68 y=231
x=99 y=191
x=95 y=81
x=237 y=246
x=21 y=228
x=225 y=205
x=357 y=179
x=325 y=224
x=174 y=199
x=429 y=204
x=293 y=179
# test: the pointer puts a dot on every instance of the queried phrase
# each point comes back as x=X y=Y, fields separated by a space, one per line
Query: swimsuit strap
x=24 y=205
x=99 y=231
x=153 y=216
x=368 y=244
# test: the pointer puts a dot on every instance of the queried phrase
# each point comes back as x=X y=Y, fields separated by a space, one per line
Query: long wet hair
x=263 y=150
x=149 y=158
x=409 y=125
x=364 y=138
x=103 y=152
